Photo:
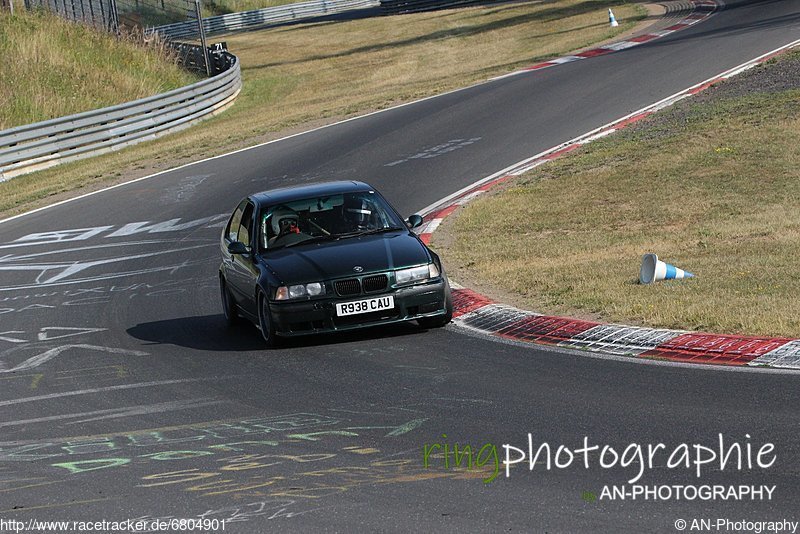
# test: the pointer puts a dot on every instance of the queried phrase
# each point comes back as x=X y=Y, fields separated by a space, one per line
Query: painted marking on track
x=438 y=150
x=5 y=337
x=82 y=234
x=48 y=483
x=44 y=333
x=396 y=430
x=51 y=273
x=116 y=388
x=116 y=413
x=57 y=505
x=36 y=379
x=361 y=450
x=46 y=356
x=102 y=371
x=313 y=436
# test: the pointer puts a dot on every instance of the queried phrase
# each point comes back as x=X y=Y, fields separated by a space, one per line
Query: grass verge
x=305 y=75
x=712 y=185
x=59 y=68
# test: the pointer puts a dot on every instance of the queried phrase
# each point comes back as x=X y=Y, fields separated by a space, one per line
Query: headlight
x=313 y=289
x=297 y=292
x=416 y=274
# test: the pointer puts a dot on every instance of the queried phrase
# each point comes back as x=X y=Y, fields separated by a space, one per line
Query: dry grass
x=59 y=68
x=223 y=7
x=300 y=75
x=713 y=188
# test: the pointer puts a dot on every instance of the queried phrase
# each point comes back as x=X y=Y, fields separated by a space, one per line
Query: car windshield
x=323 y=218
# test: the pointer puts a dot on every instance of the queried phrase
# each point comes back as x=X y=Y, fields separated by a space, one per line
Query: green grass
x=59 y=68
x=711 y=186
x=301 y=76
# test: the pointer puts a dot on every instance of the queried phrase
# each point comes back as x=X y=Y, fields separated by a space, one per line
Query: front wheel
x=265 y=322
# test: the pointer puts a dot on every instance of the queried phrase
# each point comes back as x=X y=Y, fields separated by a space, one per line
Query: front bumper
x=319 y=315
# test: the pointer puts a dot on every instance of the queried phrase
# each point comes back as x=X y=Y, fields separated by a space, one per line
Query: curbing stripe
x=620 y=340
x=787 y=356
x=718 y=349
x=691 y=19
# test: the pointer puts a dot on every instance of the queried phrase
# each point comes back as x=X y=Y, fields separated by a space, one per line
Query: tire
x=440 y=320
x=228 y=305
x=265 y=322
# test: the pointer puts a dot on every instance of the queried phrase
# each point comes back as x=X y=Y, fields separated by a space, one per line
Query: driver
x=284 y=222
x=358 y=213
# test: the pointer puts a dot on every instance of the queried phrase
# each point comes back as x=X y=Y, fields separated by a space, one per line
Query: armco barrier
x=413 y=6
x=247 y=20
x=37 y=146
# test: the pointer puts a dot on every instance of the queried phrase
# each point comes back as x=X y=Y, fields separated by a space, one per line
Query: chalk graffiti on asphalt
x=83 y=234
x=90 y=296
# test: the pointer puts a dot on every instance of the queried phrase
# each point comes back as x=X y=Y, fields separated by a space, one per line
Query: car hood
x=337 y=259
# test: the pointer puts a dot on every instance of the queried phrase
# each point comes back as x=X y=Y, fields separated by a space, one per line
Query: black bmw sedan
x=328 y=257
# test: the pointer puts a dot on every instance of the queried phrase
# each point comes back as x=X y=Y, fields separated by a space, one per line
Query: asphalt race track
x=124 y=396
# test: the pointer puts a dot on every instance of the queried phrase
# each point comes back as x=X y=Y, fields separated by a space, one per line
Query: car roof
x=289 y=194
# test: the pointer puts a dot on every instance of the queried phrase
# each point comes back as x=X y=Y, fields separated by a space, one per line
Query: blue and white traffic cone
x=654 y=270
x=612 y=19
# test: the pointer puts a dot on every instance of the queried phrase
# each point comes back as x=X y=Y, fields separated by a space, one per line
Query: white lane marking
x=67 y=269
x=82 y=234
x=67 y=331
x=114 y=413
x=115 y=388
x=46 y=356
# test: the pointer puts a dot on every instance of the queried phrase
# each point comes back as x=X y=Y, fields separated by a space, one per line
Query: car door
x=243 y=271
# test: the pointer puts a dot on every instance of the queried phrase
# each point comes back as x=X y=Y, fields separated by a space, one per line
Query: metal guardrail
x=247 y=20
x=414 y=6
x=41 y=145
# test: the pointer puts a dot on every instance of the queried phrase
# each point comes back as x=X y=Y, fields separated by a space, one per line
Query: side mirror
x=237 y=247
x=414 y=221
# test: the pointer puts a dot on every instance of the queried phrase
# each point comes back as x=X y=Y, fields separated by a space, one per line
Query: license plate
x=364 y=306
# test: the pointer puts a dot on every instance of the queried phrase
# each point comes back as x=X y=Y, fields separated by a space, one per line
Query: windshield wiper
x=313 y=239
x=373 y=231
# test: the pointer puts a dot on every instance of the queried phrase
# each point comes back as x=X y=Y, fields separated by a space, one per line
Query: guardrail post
x=202 y=36
x=113 y=16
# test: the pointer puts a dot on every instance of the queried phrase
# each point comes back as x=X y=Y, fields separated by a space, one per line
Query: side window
x=246 y=228
x=232 y=230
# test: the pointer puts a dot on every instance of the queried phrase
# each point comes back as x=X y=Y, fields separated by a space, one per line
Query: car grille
x=355 y=286
x=348 y=287
x=375 y=283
